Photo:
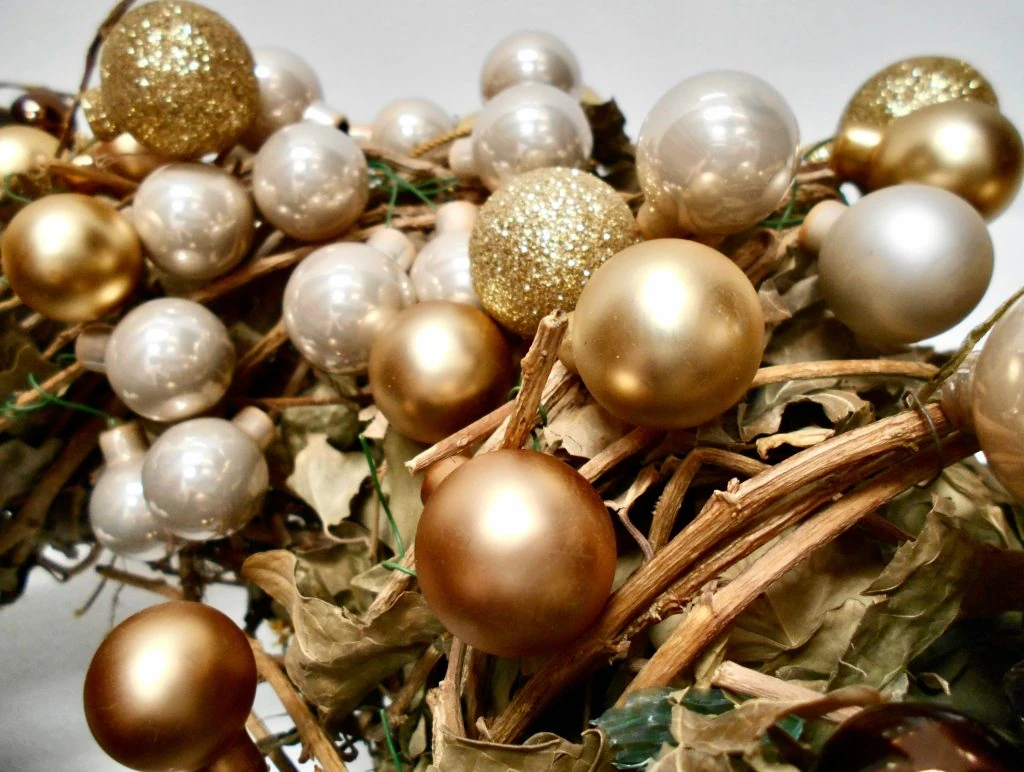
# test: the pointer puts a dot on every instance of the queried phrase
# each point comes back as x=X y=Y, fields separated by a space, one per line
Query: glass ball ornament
x=967 y=148
x=24 y=149
x=341 y=296
x=515 y=553
x=668 y=333
x=126 y=156
x=177 y=77
x=525 y=127
x=997 y=400
x=167 y=359
x=897 y=91
x=530 y=56
x=407 y=123
x=441 y=270
x=195 y=220
x=310 y=181
x=903 y=263
x=716 y=155
x=71 y=257
x=170 y=688
x=118 y=513
x=287 y=85
x=438 y=366
x=205 y=478
x=908 y=737
x=538 y=240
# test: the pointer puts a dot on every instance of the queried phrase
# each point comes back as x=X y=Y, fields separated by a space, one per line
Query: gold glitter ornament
x=539 y=238
x=898 y=90
x=177 y=77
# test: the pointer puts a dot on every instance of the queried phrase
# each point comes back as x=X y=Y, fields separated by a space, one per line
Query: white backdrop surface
x=816 y=52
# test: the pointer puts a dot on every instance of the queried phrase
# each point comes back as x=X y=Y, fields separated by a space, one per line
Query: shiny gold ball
x=24 y=148
x=668 y=333
x=515 y=553
x=71 y=257
x=126 y=156
x=538 y=239
x=438 y=366
x=179 y=78
x=967 y=148
x=170 y=687
x=898 y=90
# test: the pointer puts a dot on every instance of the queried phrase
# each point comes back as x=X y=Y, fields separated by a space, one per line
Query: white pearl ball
x=288 y=85
x=404 y=125
x=441 y=270
x=530 y=56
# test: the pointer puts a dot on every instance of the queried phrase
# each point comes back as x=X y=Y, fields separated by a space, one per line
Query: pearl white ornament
x=441 y=270
x=408 y=123
x=530 y=56
x=288 y=85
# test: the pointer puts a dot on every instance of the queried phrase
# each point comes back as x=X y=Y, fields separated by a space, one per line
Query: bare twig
x=536 y=366
x=841 y=368
x=259 y=731
x=743 y=680
x=159 y=586
x=626 y=446
x=57 y=381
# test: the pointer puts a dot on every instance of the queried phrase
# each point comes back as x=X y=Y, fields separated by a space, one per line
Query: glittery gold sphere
x=538 y=239
x=898 y=90
x=179 y=78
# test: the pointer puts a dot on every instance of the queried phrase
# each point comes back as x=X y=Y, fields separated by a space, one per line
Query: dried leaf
x=799 y=438
x=923 y=586
x=764 y=413
x=582 y=430
x=401 y=488
x=544 y=752
x=328 y=479
x=22 y=465
x=818 y=659
x=334 y=657
x=339 y=423
x=20 y=358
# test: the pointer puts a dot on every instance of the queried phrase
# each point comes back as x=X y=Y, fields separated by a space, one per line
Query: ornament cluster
x=515 y=550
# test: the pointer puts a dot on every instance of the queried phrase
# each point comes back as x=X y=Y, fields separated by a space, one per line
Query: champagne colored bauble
x=537 y=241
x=118 y=513
x=437 y=367
x=515 y=553
x=126 y=156
x=668 y=333
x=997 y=400
x=195 y=220
x=338 y=300
x=24 y=149
x=167 y=359
x=177 y=77
x=905 y=263
x=205 y=478
x=311 y=181
x=716 y=154
x=441 y=270
x=72 y=258
x=288 y=85
x=967 y=148
x=530 y=56
x=526 y=127
x=41 y=108
x=170 y=688
x=898 y=90
x=407 y=123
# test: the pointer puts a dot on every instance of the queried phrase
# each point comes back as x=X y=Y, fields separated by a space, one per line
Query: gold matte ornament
x=898 y=90
x=72 y=258
x=24 y=148
x=177 y=77
x=538 y=239
x=967 y=148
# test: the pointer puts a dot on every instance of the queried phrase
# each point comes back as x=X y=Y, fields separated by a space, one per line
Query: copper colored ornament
x=537 y=241
x=24 y=149
x=438 y=472
x=41 y=108
x=126 y=156
x=896 y=91
x=438 y=366
x=170 y=688
x=967 y=148
x=997 y=399
x=71 y=257
x=178 y=77
x=515 y=553
x=668 y=333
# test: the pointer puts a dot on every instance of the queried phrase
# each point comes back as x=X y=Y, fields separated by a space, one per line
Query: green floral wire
x=8 y=193
x=395 y=758
x=787 y=220
x=48 y=399
x=432 y=187
x=393 y=565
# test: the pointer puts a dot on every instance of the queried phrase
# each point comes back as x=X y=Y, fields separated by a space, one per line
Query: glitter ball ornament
x=205 y=478
x=170 y=688
x=538 y=239
x=441 y=270
x=898 y=90
x=167 y=359
x=72 y=258
x=118 y=513
x=515 y=553
x=177 y=77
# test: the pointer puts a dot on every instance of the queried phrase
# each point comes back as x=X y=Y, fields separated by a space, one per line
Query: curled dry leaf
x=543 y=752
x=22 y=465
x=582 y=430
x=401 y=488
x=328 y=479
x=335 y=658
x=798 y=438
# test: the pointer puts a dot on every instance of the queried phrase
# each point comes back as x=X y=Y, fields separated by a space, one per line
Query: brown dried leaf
x=340 y=423
x=763 y=414
x=544 y=752
x=334 y=657
x=401 y=488
x=582 y=430
x=22 y=465
x=328 y=479
x=800 y=438
x=818 y=659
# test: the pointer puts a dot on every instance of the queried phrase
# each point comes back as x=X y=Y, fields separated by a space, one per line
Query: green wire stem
x=395 y=758
x=47 y=399
x=393 y=565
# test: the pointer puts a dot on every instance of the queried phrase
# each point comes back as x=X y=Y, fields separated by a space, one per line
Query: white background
x=816 y=52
